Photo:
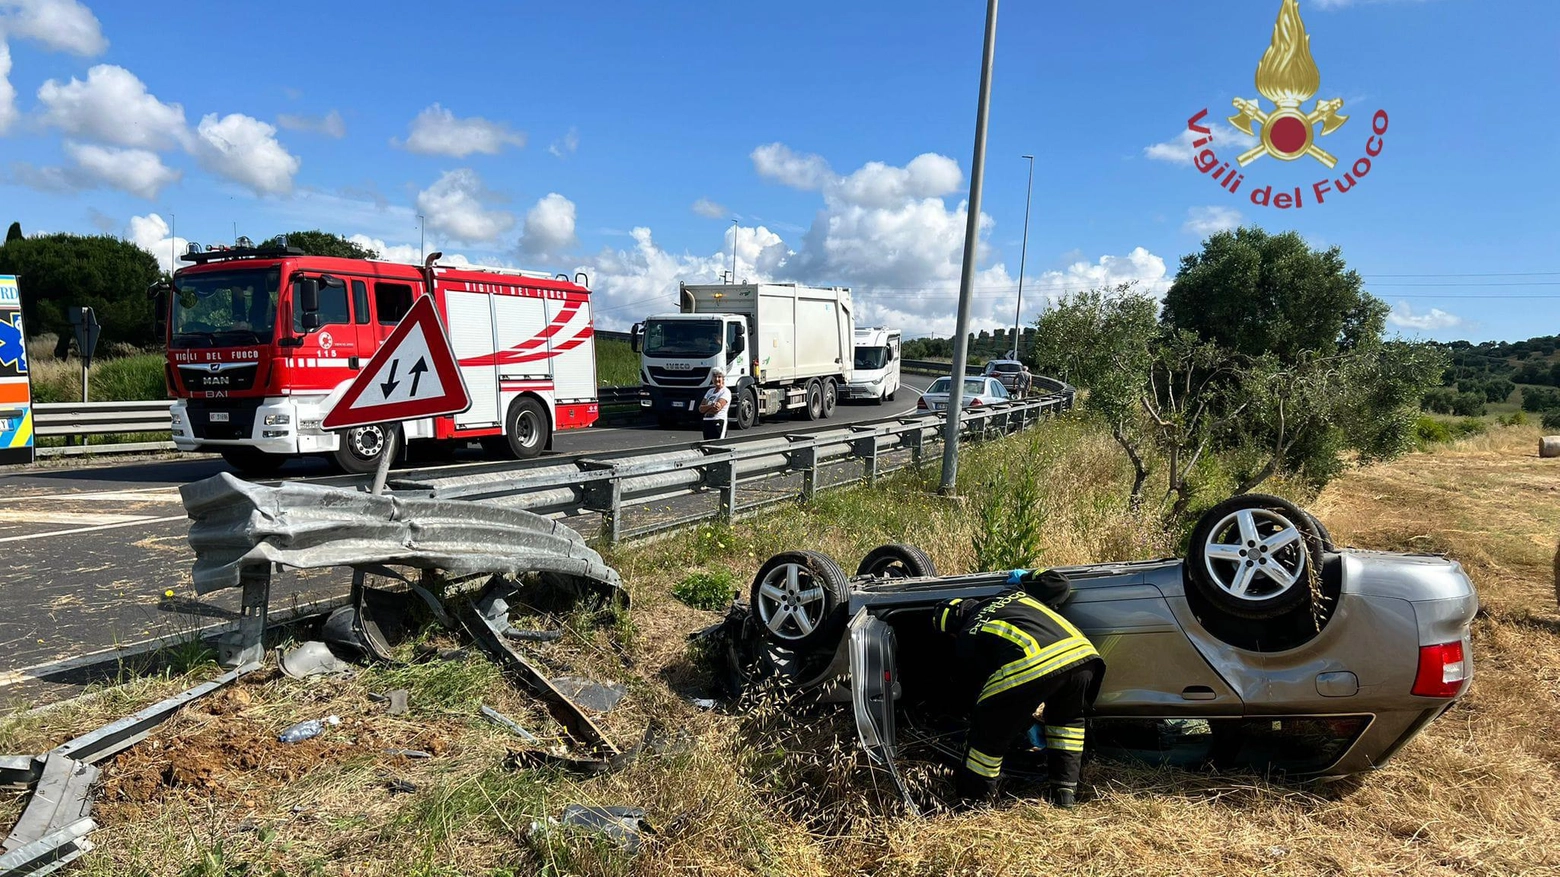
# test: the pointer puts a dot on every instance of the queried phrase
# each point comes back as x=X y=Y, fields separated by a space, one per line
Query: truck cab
x=782 y=347
x=876 y=374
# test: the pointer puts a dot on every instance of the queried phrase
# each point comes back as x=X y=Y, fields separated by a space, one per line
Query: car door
x=874 y=683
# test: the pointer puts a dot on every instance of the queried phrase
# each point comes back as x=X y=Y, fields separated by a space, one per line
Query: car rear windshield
x=1006 y=367
x=972 y=386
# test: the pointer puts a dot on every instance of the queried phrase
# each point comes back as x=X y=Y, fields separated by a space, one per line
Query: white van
x=876 y=375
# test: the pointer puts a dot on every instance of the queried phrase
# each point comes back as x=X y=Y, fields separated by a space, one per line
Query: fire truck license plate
x=218 y=417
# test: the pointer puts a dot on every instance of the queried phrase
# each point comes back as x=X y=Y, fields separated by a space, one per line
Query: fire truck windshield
x=668 y=338
x=225 y=308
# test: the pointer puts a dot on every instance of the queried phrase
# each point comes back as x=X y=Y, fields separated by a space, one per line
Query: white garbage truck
x=876 y=376
x=782 y=346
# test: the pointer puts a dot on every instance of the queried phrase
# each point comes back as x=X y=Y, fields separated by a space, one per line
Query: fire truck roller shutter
x=471 y=334
x=573 y=349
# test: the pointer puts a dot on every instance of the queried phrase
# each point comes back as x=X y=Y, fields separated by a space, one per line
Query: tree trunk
x=1139 y=470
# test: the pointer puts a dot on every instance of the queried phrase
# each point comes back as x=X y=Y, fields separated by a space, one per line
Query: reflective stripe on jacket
x=1015 y=639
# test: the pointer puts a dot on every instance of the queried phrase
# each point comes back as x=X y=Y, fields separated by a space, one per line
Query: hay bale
x=1549 y=446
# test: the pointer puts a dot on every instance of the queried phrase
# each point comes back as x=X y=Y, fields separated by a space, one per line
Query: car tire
x=831 y=397
x=798 y=599
x=896 y=561
x=1322 y=533
x=359 y=448
x=1249 y=586
x=880 y=398
x=814 y=407
x=527 y=428
x=892 y=393
x=252 y=461
x=747 y=409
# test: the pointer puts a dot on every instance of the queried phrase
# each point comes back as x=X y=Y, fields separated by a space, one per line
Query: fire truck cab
x=262 y=342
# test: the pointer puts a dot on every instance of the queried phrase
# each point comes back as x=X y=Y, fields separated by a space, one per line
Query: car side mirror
x=311 y=321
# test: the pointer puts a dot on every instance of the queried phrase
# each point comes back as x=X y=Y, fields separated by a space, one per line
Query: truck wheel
x=831 y=396
x=747 y=409
x=359 y=448
x=252 y=461
x=526 y=428
x=814 y=400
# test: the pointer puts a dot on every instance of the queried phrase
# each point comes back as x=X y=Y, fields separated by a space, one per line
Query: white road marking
x=35 y=516
x=94 y=529
x=145 y=494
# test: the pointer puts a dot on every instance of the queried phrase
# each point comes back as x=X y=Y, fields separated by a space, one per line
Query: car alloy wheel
x=796 y=595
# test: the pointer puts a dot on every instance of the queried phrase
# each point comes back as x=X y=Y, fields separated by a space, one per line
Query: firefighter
x=1014 y=653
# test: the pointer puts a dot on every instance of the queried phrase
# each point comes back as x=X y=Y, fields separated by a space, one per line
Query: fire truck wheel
x=831 y=396
x=360 y=447
x=252 y=461
x=527 y=428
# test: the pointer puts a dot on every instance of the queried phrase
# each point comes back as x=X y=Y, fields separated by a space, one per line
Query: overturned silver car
x=1268 y=648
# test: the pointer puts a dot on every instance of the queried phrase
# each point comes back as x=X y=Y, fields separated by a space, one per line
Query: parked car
x=1014 y=375
x=1314 y=661
x=977 y=391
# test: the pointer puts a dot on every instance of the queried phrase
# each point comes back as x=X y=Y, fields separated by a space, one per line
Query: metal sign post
x=84 y=322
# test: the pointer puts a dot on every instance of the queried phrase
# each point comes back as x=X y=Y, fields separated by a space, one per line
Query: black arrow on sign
x=389 y=386
x=417 y=373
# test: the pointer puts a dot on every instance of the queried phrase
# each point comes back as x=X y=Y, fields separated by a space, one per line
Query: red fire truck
x=263 y=341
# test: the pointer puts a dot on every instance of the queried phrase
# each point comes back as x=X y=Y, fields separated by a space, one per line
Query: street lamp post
x=1023 y=255
x=961 y=346
x=421 y=236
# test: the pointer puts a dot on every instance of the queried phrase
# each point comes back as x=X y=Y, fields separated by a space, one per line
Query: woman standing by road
x=716 y=406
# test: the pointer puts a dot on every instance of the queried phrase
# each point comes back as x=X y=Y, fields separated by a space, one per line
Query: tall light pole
x=961 y=341
x=421 y=235
x=1023 y=254
x=734 y=227
x=173 y=241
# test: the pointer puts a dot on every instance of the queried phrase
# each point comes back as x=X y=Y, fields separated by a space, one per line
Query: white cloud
x=549 y=227
x=709 y=209
x=1228 y=141
x=245 y=150
x=1403 y=317
x=137 y=171
x=331 y=124
x=436 y=131
x=1205 y=221
x=453 y=206
x=629 y=284
x=879 y=185
x=60 y=25
x=113 y=106
x=566 y=145
x=7 y=90
x=777 y=163
x=150 y=233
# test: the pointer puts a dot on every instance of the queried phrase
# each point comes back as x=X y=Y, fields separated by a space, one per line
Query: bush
x=1010 y=522
x=1432 y=431
x=1551 y=419
x=1515 y=418
x=1538 y=399
x=1468 y=426
x=712 y=590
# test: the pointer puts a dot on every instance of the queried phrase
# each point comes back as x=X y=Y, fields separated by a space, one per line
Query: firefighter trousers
x=999 y=721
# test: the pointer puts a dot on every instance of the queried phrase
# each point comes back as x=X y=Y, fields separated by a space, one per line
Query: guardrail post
x=867 y=448
x=723 y=476
x=917 y=444
x=605 y=497
x=247 y=644
x=806 y=459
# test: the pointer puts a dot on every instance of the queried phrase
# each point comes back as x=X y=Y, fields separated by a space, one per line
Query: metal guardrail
x=101 y=418
x=743 y=475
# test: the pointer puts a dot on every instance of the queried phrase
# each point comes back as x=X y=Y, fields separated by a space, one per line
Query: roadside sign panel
x=414 y=374
x=16 y=419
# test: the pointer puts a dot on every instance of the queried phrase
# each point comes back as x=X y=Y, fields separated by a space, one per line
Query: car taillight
x=975 y=403
x=1442 y=670
x=921 y=404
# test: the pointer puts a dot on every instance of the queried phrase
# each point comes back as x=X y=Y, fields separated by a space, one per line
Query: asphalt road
x=92 y=550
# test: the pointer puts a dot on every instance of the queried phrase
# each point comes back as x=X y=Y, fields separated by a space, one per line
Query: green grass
x=617 y=365
x=122 y=378
x=707 y=589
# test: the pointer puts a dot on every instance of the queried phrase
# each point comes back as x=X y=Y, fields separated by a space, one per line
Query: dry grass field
x=780 y=789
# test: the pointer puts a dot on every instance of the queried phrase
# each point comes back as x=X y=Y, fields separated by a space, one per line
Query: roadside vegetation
x=617 y=365
x=782 y=790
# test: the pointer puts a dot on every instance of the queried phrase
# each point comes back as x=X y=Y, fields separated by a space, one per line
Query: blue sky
x=622 y=139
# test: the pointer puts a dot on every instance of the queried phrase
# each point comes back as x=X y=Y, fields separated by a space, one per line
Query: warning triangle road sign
x=413 y=375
